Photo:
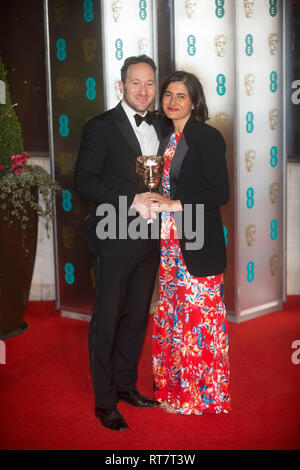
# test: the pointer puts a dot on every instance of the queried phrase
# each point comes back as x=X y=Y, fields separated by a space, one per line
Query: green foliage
x=17 y=192
x=11 y=141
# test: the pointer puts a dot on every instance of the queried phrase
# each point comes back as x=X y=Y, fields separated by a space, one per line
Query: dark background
x=22 y=46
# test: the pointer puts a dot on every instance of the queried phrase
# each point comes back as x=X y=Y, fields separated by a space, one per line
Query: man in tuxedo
x=125 y=268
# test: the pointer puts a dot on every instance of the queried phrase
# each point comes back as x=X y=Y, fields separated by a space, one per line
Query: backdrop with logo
x=235 y=47
x=75 y=94
x=87 y=43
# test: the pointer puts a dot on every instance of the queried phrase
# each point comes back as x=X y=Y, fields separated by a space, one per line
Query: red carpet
x=46 y=397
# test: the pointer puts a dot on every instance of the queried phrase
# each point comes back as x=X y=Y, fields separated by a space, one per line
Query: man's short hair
x=140 y=59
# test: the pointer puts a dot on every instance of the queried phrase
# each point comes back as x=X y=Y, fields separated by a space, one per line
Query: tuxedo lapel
x=176 y=163
x=156 y=125
x=163 y=145
x=126 y=129
x=177 y=160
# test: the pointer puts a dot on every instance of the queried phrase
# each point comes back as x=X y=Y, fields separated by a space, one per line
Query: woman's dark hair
x=195 y=91
x=140 y=59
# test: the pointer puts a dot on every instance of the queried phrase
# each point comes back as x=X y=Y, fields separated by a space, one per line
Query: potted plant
x=26 y=193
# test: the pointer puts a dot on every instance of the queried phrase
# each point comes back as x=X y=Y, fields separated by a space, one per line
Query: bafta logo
x=221 y=118
x=191 y=8
x=60 y=7
x=249 y=83
x=68 y=236
x=274 y=265
x=117 y=91
x=220 y=44
x=249 y=8
x=274 y=192
x=274 y=118
x=116 y=7
x=273 y=41
x=250 y=157
x=89 y=46
x=65 y=161
x=63 y=87
x=251 y=234
x=143 y=46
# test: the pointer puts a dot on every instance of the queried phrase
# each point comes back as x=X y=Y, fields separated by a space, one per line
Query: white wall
x=293 y=229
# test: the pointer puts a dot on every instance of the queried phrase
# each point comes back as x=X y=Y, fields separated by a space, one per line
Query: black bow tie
x=139 y=119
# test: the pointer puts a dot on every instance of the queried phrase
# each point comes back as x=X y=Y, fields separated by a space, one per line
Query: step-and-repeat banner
x=235 y=47
x=87 y=43
x=205 y=46
x=260 y=157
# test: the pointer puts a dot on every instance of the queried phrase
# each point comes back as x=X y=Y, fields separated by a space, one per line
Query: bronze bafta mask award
x=149 y=169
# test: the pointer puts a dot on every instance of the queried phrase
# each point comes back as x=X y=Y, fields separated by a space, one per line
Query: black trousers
x=124 y=288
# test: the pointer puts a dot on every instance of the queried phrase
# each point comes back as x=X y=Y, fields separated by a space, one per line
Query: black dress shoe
x=111 y=418
x=134 y=398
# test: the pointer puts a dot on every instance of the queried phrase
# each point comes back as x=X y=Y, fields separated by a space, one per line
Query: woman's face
x=177 y=104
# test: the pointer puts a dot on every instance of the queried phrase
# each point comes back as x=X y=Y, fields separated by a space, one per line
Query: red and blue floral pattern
x=190 y=342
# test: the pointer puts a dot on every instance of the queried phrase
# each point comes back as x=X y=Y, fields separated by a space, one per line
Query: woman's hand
x=162 y=204
x=142 y=203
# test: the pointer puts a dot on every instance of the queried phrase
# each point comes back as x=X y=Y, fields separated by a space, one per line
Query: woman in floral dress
x=190 y=342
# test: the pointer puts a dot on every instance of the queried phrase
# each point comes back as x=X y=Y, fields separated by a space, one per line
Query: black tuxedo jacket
x=198 y=175
x=106 y=169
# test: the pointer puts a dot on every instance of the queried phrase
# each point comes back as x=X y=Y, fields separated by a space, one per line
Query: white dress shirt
x=145 y=134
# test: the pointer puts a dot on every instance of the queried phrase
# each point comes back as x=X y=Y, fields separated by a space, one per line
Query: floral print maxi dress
x=190 y=343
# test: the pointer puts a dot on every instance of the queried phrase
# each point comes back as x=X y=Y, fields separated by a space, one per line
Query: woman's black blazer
x=198 y=175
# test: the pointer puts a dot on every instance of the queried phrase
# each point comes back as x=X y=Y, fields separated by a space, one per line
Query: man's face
x=139 y=87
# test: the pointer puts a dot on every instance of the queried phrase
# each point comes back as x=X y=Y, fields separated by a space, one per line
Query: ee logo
x=191 y=40
x=143 y=10
x=249 y=44
x=273 y=81
x=273 y=229
x=69 y=273
x=67 y=200
x=220 y=11
x=88 y=10
x=250 y=271
x=119 y=49
x=61 y=52
x=274 y=156
x=273 y=7
x=63 y=125
x=90 y=88
x=250 y=197
x=249 y=122
x=221 y=89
